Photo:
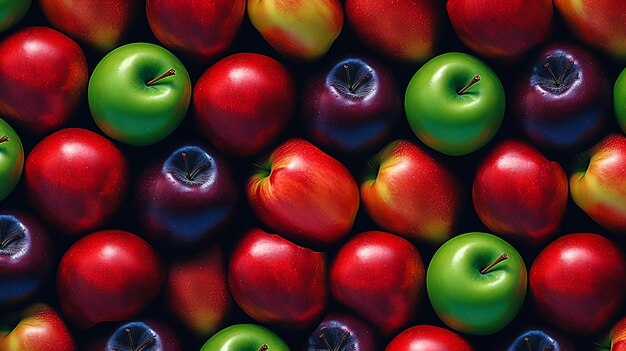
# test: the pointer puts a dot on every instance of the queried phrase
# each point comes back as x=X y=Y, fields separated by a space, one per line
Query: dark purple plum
x=342 y=332
x=540 y=340
x=138 y=336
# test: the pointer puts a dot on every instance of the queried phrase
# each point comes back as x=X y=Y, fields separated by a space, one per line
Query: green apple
x=476 y=283
x=245 y=337
x=619 y=100
x=11 y=159
x=139 y=93
x=11 y=12
x=455 y=103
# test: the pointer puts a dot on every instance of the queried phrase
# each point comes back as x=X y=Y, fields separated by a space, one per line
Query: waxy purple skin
x=178 y=210
x=26 y=257
x=145 y=335
x=566 y=104
x=540 y=339
x=342 y=332
x=352 y=107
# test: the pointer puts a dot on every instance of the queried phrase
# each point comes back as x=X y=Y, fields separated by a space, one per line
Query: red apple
x=109 y=275
x=39 y=327
x=405 y=29
x=616 y=340
x=597 y=23
x=428 y=338
x=243 y=102
x=598 y=182
x=304 y=194
x=43 y=77
x=196 y=291
x=278 y=282
x=200 y=29
x=101 y=24
x=381 y=277
x=408 y=192
x=75 y=179
x=519 y=194
x=577 y=282
x=501 y=29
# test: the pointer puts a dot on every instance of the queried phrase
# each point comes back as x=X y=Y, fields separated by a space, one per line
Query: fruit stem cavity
x=169 y=72
x=500 y=258
x=474 y=80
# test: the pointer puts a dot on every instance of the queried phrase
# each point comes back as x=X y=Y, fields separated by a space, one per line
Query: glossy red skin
x=196 y=291
x=519 y=194
x=101 y=24
x=243 y=102
x=278 y=282
x=40 y=328
x=201 y=29
x=499 y=29
x=428 y=338
x=308 y=196
x=109 y=275
x=577 y=283
x=33 y=264
x=567 y=119
x=412 y=194
x=75 y=179
x=597 y=23
x=43 y=77
x=381 y=277
x=403 y=30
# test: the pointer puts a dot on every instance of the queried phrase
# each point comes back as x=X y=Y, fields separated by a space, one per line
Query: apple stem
x=500 y=258
x=344 y=337
x=169 y=72
x=549 y=69
x=4 y=138
x=352 y=87
x=570 y=63
x=474 y=80
x=528 y=344
x=149 y=341
x=548 y=348
x=12 y=236
x=264 y=347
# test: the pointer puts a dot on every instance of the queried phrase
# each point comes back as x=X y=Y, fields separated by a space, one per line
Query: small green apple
x=476 y=283
x=245 y=337
x=139 y=93
x=11 y=159
x=619 y=100
x=11 y=12
x=455 y=103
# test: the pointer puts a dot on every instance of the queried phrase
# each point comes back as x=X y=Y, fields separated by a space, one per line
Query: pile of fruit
x=318 y=175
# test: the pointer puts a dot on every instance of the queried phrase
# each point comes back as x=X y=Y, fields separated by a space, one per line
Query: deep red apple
x=519 y=194
x=109 y=275
x=351 y=107
x=577 y=283
x=563 y=100
x=200 y=29
x=26 y=257
x=43 y=76
x=38 y=327
x=429 y=338
x=405 y=30
x=196 y=291
x=101 y=24
x=408 y=192
x=185 y=198
x=75 y=179
x=304 y=194
x=243 y=102
x=381 y=277
x=501 y=29
x=278 y=282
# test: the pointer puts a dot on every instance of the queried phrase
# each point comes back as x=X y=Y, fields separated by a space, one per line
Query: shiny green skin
x=11 y=12
x=465 y=299
x=619 y=100
x=11 y=160
x=451 y=123
x=244 y=337
x=128 y=110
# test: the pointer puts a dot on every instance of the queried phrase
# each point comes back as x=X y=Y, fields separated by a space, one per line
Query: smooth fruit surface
x=11 y=159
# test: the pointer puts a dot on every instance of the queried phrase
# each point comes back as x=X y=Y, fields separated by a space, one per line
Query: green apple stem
x=474 y=80
x=264 y=347
x=352 y=87
x=344 y=337
x=149 y=341
x=169 y=72
x=500 y=258
x=191 y=175
x=4 y=138
x=12 y=236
